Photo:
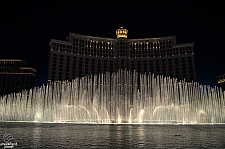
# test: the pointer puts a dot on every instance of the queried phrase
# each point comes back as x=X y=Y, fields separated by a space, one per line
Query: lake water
x=34 y=135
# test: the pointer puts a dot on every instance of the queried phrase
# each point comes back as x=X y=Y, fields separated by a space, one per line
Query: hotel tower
x=83 y=55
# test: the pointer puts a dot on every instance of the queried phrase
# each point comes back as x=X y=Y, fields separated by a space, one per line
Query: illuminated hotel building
x=84 y=55
x=15 y=77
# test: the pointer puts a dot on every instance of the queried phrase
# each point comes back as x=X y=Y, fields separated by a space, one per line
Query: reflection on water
x=31 y=135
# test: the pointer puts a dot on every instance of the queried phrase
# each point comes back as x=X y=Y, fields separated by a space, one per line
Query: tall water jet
x=121 y=97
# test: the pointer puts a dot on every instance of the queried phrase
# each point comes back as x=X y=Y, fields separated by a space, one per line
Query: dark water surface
x=33 y=135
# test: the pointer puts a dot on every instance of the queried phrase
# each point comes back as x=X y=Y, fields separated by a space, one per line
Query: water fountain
x=122 y=97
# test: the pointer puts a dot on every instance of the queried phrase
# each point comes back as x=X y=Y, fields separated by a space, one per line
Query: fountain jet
x=120 y=97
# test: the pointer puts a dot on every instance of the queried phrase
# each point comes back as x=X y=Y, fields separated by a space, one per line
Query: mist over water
x=122 y=97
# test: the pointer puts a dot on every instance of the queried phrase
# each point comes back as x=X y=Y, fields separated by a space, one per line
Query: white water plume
x=122 y=97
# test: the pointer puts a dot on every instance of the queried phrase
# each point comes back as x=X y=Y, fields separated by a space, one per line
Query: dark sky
x=27 y=26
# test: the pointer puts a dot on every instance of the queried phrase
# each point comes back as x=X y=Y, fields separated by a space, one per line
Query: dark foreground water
x=31 y=135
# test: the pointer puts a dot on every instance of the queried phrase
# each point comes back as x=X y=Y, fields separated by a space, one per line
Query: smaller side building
x=221 y=81
x=15 y=76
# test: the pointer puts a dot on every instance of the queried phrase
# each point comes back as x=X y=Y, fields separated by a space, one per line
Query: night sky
x=26 y=28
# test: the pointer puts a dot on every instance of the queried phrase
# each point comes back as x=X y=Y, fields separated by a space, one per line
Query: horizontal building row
x=129 y=48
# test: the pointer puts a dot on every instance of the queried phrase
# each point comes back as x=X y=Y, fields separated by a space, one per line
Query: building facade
x=221 y=81
x=15 y=77
x=84 y=55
